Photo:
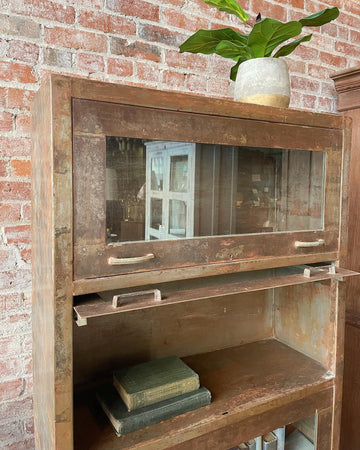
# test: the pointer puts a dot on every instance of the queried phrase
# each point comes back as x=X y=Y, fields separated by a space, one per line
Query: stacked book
x=275 y=440
x=151 y=392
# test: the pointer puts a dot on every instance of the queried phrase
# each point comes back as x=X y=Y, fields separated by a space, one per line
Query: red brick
x=307 y=53
x=16 y=408
x=44 y=9
x=26 y=212
x=219 y=87
x=316 y=71
x=11 y=389
x=175 y=2
x=296 y=66
x=333 y=60
x=19 y=98
x=14 y=146
x=2 y=97
x=23 y=444
x=161 y=35
x=119 y=67
x=186 y=60
x=148 y=72
x=23 y=51
x=137 y=49
x=10 y=345
x=3 y=168
x=300 y=4
x=10 y=432
x=23 y=123
x=176 y=19
x=135 y=8
x=107 y=23
x=9 y=212
x=28 y=367
x=347 y=49
x=18 y=233
x=327 y=89
x=305 y=84
x=20 y=168
x=77 y=39
x=173 y=79
x=19 y=26
x=196 y=83
x=6 y=121
x=268 y=9
x=330 y=29
x=27 y=345
x=90 y=63
x=15 y=190
x=10 y=71
x=90 y=3
x=29 y=426
x=348 y=19
x=309 y=101
x=9 y=367
x=26 y=255
x=7 y=259
x=325 y=104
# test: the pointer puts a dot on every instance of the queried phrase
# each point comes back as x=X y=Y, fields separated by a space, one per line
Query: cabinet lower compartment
x=255 y=388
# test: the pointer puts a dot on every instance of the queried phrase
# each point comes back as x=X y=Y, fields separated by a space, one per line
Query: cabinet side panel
x=305 y=319
x=183 y=329
x=43 y=270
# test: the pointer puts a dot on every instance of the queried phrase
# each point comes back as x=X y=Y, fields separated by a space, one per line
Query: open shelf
x=246 y=382
x=95 y=305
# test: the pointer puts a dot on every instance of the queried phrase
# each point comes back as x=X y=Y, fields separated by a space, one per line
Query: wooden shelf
x=248 y=383
x=91 y=306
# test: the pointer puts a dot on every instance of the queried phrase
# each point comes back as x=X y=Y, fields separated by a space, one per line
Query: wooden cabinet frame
x=68 y=108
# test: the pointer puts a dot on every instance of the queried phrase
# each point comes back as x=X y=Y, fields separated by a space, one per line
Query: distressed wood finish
x=231 y=334
x=347 y=84
x=52 y=265
x=250 y=395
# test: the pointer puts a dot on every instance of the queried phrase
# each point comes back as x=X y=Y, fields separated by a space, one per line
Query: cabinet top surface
x=109 y=92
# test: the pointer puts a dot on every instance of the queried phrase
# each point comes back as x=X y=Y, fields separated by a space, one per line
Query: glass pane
x=177 y=218
x=156 y=213
x=157 y=174
x=179 y=173
x=162 y=190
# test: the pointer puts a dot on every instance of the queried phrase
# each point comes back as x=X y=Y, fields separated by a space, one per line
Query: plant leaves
x=229 y=6
x=233 y=50
x=289 y=48
x=206 y=41
x=320 y=18
x=267 y=34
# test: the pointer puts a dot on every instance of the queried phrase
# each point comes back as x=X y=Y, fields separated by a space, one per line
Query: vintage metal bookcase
x=253 y=213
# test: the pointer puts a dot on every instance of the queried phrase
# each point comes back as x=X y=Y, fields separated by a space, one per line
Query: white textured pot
x=264 y=81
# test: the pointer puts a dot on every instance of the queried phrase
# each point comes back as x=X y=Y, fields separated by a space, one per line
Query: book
x=269 y=441
x=151 y=382
x=280 y=435
x=251 y=444
x=258 y=443
x=125 y=422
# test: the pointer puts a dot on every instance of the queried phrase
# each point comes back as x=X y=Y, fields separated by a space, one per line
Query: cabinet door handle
x=134 y=260
x=299 y=244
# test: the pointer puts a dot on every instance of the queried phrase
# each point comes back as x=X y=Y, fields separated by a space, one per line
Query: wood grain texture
x=266 y=384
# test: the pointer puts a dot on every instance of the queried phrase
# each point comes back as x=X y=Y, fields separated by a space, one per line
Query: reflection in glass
x=179 y=173
x=166 y=190
x=177 y=218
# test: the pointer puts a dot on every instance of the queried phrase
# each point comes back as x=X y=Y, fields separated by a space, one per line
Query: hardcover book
x=125 y=422
x=269 y=441
x=151 y=382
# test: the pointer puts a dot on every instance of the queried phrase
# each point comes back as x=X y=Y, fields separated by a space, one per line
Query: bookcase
x=252 y=298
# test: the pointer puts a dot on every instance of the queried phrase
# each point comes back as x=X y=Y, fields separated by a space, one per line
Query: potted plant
x=260 y=74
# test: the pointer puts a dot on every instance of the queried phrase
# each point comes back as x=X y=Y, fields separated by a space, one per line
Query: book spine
x=280 y=434
x=178 y=405
x=170 y=390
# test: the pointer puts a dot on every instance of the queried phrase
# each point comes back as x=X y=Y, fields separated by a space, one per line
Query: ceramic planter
x=264 y=81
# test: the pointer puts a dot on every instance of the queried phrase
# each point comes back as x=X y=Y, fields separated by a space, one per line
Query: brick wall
x=122 y=41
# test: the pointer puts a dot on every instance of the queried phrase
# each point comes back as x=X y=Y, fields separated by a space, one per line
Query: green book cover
x=151 y=382
x=125 y=422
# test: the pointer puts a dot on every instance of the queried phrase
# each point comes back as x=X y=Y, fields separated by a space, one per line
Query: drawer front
x=157 y=190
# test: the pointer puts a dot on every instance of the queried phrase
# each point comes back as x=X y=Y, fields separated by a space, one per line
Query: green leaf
x=234 y=69
x=320 y=18
x=206 y=41
x=233 y=50
x=267 y=34
x=289 y=48
x=229 y=6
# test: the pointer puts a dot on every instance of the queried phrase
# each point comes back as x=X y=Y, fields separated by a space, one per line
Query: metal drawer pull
x=133 y=297
x=299 y=244
x=134 y=260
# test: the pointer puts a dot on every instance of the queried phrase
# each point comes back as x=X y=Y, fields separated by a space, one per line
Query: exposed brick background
x=122 y=41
